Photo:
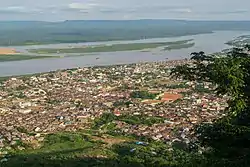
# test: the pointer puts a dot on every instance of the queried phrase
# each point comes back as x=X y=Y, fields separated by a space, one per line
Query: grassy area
x=137 y=120
x=5 y=58
x=108 y=118
x=108 y=48
x=57 y=148
x=93 y=148
x=75 y=149
x=80 y=150
x=179 y=46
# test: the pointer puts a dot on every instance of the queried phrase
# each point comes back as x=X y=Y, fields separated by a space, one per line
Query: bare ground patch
x=109 y=140
x=7 y=51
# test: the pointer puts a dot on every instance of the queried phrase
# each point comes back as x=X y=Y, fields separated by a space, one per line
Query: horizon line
x=57 y=21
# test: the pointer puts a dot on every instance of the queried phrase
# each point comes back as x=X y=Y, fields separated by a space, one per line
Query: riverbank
x=4 y=78
x=19 y=57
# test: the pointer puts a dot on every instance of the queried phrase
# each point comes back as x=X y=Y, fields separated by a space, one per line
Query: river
x=209 y=43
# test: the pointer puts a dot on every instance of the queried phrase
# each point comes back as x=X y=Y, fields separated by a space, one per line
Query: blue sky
x=58 y=10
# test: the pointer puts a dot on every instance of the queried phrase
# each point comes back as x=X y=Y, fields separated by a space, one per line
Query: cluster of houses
x=69 y=100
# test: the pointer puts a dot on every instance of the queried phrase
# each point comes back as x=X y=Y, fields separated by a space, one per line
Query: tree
x=143 y=95
x=229 y=137
x=230 y=73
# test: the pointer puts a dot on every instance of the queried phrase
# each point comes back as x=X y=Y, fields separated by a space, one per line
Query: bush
x=143 y=95
x=104 y=119
x=137 y=120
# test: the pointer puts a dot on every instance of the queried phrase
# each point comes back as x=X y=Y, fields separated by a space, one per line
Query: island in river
x=9 y=54
x=209 y=43
x=112 y=47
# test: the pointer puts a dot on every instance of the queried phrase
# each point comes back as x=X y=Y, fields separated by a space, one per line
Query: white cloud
x=19 y=10
x=13 y=9
x=240 y=11
x=124 y=9
x=82 y=6
x=181 y=10
x=145 y=8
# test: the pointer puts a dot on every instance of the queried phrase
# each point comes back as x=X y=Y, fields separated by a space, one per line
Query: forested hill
x=38 y=32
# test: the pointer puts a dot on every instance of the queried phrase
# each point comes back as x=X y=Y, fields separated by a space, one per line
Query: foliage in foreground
x=79 y=149
x=231 y=74
x=228 y=138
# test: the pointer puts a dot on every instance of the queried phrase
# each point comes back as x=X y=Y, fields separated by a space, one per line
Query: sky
x=59 y=10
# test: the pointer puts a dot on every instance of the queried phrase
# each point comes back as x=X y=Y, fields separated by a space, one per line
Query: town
x=70 y=100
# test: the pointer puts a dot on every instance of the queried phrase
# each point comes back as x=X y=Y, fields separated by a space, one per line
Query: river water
x=209 y=43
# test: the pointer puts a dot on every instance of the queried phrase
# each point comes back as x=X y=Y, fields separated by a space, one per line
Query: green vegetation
x=90 y=149
x=178 y=86
x=122 y=103
x=33 y=32
x=85 y=149
x=142 y=119
x=4 y=58
x=109 y=48
x=201 y=89
x=57 y=148
x=29 y=33
x=81 y=149
x=179 y=46
x=3 y=79
x=108 y=118
x=154 y=154
x=67 y=140
x=227 y=137
x=104 y=119
x=143 y=95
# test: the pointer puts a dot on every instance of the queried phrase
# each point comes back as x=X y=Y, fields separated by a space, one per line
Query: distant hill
x=38 y=32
